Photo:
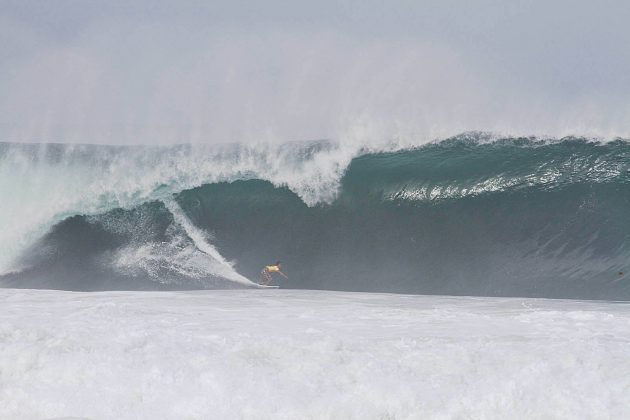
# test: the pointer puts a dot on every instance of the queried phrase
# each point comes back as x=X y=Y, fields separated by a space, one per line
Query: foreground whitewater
x=305 y=354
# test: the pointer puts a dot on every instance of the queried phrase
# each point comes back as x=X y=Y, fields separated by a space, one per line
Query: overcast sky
x=125 y=72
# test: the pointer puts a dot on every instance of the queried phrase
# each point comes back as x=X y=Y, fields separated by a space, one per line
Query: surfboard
x=263 y=286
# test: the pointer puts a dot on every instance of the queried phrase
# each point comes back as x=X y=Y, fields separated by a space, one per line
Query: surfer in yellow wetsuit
x=265 y=274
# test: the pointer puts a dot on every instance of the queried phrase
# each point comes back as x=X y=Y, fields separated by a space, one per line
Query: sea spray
x=217 y=265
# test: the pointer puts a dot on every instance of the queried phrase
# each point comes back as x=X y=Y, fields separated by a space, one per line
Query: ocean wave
x=473 y=214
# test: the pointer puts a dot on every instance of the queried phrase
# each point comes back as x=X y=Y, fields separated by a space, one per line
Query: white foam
x=305 y=354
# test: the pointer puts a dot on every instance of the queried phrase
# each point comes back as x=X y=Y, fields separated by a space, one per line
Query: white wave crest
x=44 y=184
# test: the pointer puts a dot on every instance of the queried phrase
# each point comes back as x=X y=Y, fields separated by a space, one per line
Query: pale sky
x=125 y=72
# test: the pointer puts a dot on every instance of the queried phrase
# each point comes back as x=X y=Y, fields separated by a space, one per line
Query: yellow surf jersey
x=272 y=268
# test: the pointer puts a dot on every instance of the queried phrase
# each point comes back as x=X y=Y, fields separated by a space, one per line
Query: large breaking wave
x=467 y=215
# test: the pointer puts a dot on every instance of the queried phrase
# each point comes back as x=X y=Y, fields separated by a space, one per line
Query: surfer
x=265 y=274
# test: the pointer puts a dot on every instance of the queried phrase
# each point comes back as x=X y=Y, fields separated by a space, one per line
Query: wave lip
x=45 y=184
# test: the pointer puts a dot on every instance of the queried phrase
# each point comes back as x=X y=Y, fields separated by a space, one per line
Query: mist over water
x=208 y=72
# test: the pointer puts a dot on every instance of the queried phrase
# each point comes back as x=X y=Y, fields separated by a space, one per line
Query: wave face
x=468 y=215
